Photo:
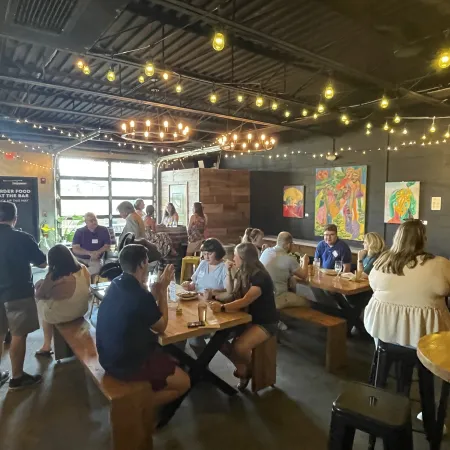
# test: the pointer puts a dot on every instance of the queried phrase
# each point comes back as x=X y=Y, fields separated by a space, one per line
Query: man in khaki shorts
x=18 y=311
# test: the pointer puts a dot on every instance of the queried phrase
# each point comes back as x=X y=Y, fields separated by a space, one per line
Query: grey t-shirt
x=280 y=265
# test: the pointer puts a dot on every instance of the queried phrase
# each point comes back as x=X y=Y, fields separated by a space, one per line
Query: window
x=86 y=185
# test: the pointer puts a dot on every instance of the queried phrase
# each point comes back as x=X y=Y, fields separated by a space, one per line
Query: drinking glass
x=338 y=267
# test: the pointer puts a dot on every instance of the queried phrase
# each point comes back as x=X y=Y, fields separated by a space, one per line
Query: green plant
x=67 y=227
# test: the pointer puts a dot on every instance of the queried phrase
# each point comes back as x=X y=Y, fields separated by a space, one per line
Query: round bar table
x=433 y=352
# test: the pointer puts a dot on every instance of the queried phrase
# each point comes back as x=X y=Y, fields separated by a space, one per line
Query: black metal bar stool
x=373 y=411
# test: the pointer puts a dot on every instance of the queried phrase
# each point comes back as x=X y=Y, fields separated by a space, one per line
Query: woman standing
x=63 y=295
x=253 y=289
x=170 y=216
x=373 y=247
x=196 y=229
x=134 y=223
x=139 y=206
x=161 y=240
x=254 y=236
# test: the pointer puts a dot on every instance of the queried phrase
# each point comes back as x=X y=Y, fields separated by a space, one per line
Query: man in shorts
x=128 y=323
x=18 y=311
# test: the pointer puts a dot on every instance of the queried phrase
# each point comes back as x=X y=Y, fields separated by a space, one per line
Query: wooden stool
x=188 y=261
x=264 y=365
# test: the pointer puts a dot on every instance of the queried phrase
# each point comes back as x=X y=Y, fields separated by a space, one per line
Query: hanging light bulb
x=263 y=137
x=315 y=115
x=397 y=119
x=384 y=103
x=165 y=75
x=175 y=135
x=274 y=106
x=392 y=131
x=444 y=59
x=213 y=97
x=186 y=129
x=405 y=131
x=132 y=124
x=347 y=122
x=218 y=42
x=149 y=69
x=161 y=134
x=166 y=124
x=86 y=70
x=249 y=136
x=424 y=137
x=447 y=134
x=235 y=137
x=368 y=125
x=244 y=145
x=344 y=118
x=272 y=141
x=111 y=75
x=124 y=127
x=368 y=131
x=146 y=134
x=304 y=112
x=320 y=108
x=178 y=88
x=386 y=127
x=433 y=128
x=287 y=113
x=328 y=92
x=141 y=79
x=80 y=64
x=147 y=123
x=180 y=126
x=240 y=98
x=259 y=101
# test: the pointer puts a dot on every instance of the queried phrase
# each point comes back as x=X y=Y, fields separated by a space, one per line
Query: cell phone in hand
x=195 y=324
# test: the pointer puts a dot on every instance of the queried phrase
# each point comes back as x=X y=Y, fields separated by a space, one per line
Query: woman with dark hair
x=170 y=216
x=161 y=240
x=253 y=289
x=63 y=295
x=139 y=206
x=196 y=229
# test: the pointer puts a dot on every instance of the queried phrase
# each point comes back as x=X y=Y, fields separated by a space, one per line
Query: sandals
x=44 y=353
x=243 y=381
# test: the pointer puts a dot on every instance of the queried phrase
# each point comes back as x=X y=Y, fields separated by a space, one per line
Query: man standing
x=282 y=267
x=90 y=243
x=332 y=249
x=17 y=305
x=128 y=323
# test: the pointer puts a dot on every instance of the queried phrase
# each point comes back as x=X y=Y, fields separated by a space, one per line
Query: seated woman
x=409 y=289
x=373 y=247
x=196 y=229
x=254 y=236
x=139 y=206
x=63 y=295
x=253 y=289
x=161 y=240
x=171 y=217
x=134 y=223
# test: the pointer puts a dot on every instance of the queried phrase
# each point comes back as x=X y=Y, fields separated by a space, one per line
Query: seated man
x=332 y=249
x=129 y=320
x=281 y=267
x=90 y=243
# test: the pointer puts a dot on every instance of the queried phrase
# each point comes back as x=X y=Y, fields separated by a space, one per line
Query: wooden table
x=338 y=284
x=433 y=353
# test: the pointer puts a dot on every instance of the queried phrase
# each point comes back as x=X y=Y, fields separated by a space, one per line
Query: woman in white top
x=139 y=206
x=63 y=295
x=409 y=289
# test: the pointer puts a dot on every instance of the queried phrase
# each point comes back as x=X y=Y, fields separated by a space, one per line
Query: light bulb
x=235 y=137
x=344 y=118
x=368 y=132
x=110 y=75
x=444 y=60
x=178 y=88
x=384 y=103
x=447 y=135
x=80 y=64
x=386 y=127
x=320 y=108
x=161 y=134
x=259 y=101
x=141 y=79
x=218 y=42
x=132 y=123
x=213 y=97
x=175 y=135
x=266 y=143
x=304 y=112
x=249 y=136
x=368 y=125
x=124 y=127
x=424 y=137
x=263 y=137
x=185 y=132
x=147 y=123
x=328 y=93
x=315 y=115
x=347 y=122
x=392 y=131
x=180 y=126
x=166 y=124
x=149 y=69
x=186 y=129
x=405 y=131
x=397 y=119
x=240 y=98
x=244 y=145
x=287 y=113
x=274 y=106
x=256 y=144
x=432 y=128
x=165 y=76
x=146 y=134
x=86 y=70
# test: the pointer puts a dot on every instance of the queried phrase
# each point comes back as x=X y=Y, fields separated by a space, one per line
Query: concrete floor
x=68 y=412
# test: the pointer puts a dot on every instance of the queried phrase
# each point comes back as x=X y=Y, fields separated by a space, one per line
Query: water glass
x=338 y=267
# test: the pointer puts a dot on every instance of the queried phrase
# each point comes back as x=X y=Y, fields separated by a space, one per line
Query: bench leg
x=62 y=350
x=336 y=353
x=264 y=365
x=132 y=422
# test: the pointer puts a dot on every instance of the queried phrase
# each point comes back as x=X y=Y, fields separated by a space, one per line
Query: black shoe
x=4 y=377
x=24 y=381
x=7 y=338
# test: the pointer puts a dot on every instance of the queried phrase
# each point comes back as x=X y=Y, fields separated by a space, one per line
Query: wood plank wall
x=225 y=195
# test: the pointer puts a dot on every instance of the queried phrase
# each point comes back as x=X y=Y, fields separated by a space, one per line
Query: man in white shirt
x=282 y=267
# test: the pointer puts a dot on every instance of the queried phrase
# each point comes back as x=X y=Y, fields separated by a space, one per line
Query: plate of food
x=188 y=295
x=330 y=272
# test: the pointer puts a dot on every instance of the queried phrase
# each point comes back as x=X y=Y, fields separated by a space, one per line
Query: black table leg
x=441 y=413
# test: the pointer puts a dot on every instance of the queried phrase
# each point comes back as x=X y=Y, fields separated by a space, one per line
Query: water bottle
x=172 y=290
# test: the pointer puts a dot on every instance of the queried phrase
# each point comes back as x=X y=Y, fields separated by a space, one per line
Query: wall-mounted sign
x=436 y=203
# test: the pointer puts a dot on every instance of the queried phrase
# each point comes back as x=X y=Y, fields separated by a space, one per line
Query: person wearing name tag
x=332 y=249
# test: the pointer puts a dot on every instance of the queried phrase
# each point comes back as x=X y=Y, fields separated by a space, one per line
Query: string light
x=368 y=125
x=392 y=131
x=368 y=131
x=86 y=70
x=213 y=97
x=149 y=69
x=165 y=75
x=218 y=42
x=240 y=98
x=320 y=108
x=141 y=79
x=274 y=106
x=397 y=119
x=315 y=116
x=444 y=59
x=80 y=64
x=344 y=118
x=405 y=131
x=287 y=114
x=178 y=88
x=111 y=75
x=328 y=92
x=384 y=103
x=386 y=127
x=304 y=112
x=447 y=134
x=433 y=127
x=259 y=101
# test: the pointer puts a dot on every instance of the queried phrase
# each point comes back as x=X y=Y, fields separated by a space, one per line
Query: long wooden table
x=337 y=284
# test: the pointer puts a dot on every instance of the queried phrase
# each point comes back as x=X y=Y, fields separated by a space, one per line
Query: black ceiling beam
x=276 y=43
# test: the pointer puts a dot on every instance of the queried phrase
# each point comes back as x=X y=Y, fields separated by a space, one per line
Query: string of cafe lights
x=15 y=157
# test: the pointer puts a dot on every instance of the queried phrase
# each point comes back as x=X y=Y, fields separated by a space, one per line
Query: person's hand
x=167 y=276
x=229 y=264
x=215 y=306
x=263 y=247
x=95 y=256
x=362 y=254
x=305 y=260
x=186 y=285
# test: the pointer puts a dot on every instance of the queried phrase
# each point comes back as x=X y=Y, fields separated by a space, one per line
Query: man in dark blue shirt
x=129 y=320
x=332 y=249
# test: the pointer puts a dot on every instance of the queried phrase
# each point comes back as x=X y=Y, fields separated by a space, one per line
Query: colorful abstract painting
x=293 y=203
x=401 y=201
x=341 y=199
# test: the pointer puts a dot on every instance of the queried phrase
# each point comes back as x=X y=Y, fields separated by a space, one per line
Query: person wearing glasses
x=332 y=249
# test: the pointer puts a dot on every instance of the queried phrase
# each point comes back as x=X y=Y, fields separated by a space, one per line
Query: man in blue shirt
x=332 y=249
x=128 y=323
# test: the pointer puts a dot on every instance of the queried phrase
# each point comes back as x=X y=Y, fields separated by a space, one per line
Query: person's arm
x=36 y=256
x=191 y=221
x=153 y=225
x=301 y=271
x=229 y=279
x=159 y=291
x=347 y=260
x=252 y=294
x=77 y=250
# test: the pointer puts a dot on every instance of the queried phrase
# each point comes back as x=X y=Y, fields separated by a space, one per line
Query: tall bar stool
x=373 y=411
x=188 y=261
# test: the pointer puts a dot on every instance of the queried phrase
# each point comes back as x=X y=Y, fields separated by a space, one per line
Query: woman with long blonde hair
x=373 y=247
x=254 y=236
x=253 y=290
x=409 y=289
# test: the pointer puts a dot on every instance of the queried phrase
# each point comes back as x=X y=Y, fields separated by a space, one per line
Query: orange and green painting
x=401 y=201
x=293 y=203
x=341 y=199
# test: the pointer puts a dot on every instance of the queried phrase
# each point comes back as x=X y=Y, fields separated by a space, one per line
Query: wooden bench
x=336 y=351
x=264 y=365
x=131 y=413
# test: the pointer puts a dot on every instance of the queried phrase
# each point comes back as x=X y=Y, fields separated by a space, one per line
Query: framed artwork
x=178 y=196
x=293 y=201
x=401 y=201
x=341 y=199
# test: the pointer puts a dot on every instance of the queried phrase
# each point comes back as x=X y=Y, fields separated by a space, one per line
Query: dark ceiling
x=285 y=50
